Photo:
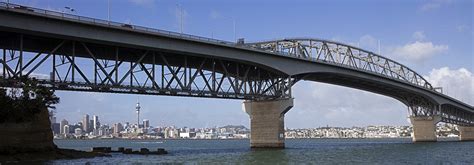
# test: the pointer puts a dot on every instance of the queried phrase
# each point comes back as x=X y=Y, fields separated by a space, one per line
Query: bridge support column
x=466 y=133
x=424 y=128
x=267 y=122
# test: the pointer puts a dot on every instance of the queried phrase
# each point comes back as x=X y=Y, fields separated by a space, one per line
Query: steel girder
x=451 y=114
x=125 y=71
x=419 y=106
x=344 y=55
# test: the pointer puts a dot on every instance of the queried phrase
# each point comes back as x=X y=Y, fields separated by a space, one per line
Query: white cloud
x=456 y=83
x=418 y=51
x=367 y=42
x=419 y=35
x=320 y=104
x=433 y=5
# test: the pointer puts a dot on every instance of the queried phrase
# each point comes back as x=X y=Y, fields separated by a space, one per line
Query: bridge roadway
x=85 y=54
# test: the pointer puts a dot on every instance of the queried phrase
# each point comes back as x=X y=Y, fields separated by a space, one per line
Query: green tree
x=24 y=99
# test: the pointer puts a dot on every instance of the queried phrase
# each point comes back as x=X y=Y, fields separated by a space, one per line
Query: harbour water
x=314 y=151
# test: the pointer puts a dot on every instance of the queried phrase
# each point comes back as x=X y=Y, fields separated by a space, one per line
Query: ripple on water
x=317 y=151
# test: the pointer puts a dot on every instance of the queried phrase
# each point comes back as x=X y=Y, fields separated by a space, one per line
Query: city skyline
x=428 y=42
x=129 y=130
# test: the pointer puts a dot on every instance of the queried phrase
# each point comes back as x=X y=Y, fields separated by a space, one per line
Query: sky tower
x=138 y=114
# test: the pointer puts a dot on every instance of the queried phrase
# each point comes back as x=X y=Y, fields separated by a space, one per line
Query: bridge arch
x=339 y=54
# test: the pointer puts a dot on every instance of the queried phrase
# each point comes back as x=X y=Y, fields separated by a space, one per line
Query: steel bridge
x=70 y=52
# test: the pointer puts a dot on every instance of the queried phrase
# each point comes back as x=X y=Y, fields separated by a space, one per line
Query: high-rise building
x=61 y=126
x=117 y=128
x=146 y=123
x=95 y=122
x=52 y=119
x=66 y=130
x=167 y=132
x=56 y=127
x=138 y=114
x=85 y=123
x=91 y=125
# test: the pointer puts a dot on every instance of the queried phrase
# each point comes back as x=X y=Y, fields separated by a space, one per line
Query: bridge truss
x=343 y=55
x=80 y=66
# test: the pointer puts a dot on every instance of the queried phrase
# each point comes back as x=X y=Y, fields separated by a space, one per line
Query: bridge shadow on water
x=270 y=156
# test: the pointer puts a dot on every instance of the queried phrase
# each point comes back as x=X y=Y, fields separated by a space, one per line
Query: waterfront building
x=137 y=109
x=66 y=130
x=78 y=131
x=167 y=132
x=56 y=127
x=63 y=123
x=96 y=123
x=72 y=128
x=126 y=126
x=146 y=123
x=117 y=128
x=85 y=123
x=187 y=135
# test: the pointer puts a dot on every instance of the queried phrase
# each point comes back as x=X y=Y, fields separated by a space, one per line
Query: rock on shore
x=33 y=141
x=31 y=136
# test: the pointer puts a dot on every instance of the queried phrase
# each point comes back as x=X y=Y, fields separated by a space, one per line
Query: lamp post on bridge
x=108 y=10
x=233 y=26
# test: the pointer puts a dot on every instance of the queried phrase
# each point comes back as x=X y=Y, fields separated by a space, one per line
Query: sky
x=433 y=37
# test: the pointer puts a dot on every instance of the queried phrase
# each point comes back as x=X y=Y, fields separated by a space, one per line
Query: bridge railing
x=88 y=20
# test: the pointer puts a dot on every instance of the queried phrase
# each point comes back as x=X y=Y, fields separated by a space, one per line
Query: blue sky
x=433 y=37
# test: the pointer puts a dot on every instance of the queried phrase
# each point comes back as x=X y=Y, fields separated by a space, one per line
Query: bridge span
x=75 y=53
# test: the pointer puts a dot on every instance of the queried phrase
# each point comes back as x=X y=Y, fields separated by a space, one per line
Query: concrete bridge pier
x=466 y=133
x=424 y=128
x=267 y=122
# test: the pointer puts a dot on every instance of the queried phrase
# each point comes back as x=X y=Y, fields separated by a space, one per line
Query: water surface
x=298 y=151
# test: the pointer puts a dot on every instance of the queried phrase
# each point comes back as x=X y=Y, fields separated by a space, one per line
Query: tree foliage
x=25 y=99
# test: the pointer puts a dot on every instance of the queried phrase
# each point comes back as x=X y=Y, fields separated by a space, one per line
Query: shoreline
x=439 y=138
